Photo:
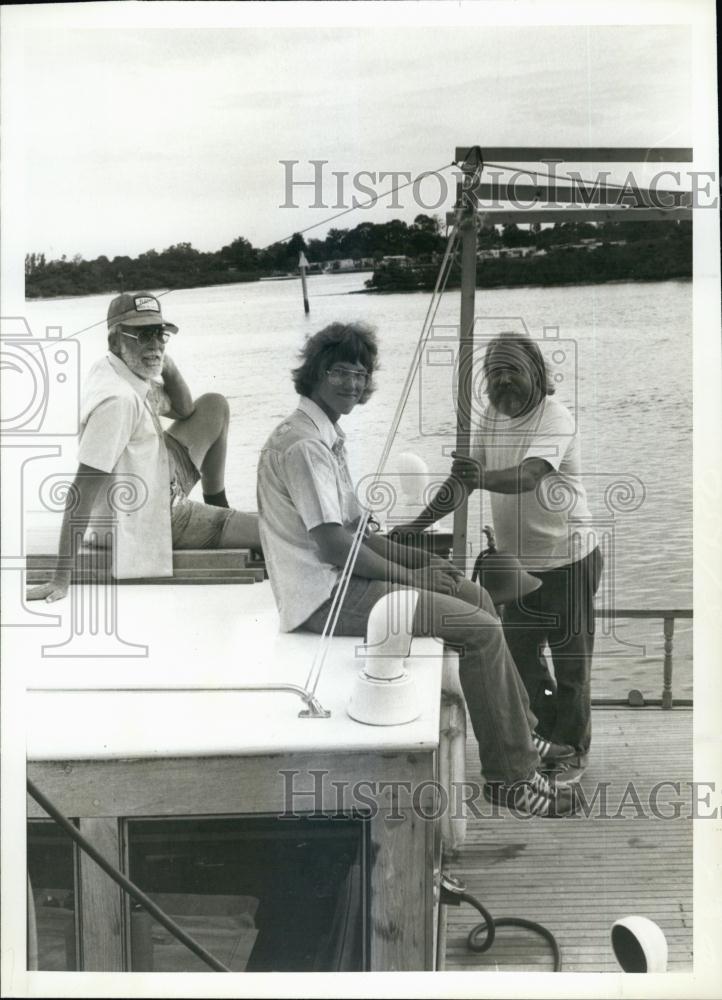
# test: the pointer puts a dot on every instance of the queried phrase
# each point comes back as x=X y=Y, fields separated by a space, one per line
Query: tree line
x=182 y=266
x=664 y=250
x=630 y=251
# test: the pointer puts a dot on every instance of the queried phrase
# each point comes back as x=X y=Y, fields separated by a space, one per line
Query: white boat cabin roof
x=214 y=637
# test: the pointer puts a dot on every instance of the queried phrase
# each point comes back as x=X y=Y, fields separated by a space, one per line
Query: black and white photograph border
x=87 y=709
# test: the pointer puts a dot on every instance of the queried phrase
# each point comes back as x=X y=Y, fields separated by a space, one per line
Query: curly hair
x=354 y=343
x=511 y=339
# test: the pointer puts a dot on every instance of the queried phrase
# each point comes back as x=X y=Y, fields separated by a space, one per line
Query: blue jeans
x=560 y=613
x=495 y=696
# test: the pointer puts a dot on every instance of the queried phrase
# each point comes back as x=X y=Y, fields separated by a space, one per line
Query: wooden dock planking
x=578 y=876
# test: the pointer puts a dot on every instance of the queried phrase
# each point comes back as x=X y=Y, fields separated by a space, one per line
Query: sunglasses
x=146 y=334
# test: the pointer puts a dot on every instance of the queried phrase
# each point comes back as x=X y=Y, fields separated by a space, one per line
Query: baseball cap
x=137 y=309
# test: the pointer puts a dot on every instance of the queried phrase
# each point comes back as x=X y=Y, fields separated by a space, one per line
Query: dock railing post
x=667 y=701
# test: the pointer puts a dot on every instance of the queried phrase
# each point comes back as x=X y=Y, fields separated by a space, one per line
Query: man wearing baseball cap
x=134 y=477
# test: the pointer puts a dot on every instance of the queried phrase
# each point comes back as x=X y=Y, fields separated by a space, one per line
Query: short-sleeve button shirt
x=303 y=481
x=121 y=434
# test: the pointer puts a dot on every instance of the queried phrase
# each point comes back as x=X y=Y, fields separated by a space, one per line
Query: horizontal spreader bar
x=580 y=194
x=576 y=154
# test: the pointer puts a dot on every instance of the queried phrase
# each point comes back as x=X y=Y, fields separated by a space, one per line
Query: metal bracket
x=452 y=890
x=315 y=710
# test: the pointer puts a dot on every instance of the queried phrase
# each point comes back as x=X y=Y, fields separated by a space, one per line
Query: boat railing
x=439 y=543
x=668 y=617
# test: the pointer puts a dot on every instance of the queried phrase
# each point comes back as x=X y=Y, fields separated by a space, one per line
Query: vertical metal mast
x=466 y=207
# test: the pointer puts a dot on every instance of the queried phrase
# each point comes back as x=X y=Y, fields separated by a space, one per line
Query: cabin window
x=52 y=869
x=259 y=893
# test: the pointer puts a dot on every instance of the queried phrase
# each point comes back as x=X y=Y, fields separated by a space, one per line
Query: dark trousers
x=560 y=613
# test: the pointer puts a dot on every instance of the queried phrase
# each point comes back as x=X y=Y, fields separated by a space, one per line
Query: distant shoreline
x=400 y=258
x=529 y=284
x=398 y=291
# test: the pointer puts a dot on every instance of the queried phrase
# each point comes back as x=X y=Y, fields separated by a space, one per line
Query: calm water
x=622 y=354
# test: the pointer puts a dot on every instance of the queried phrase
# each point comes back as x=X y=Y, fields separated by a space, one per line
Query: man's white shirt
x=549 y=526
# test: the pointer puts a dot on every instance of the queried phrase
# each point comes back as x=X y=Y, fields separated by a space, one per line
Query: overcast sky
x=139 y=138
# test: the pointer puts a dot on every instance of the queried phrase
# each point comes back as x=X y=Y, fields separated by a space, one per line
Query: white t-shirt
x=551 y=525
x=121 y=434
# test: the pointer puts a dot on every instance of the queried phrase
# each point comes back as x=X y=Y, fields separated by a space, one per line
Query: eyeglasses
x=338 y=376
x=147 y=334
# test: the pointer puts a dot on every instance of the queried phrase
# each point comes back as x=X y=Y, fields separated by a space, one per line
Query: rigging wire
x=345 y=578
x=555 y=177
x=347 y=571
x=394 y=190
x=300 y=232
x=361 y=204
x=400 y=187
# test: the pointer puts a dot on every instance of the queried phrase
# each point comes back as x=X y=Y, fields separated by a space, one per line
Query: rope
x=347 y=572
x=300 y=232
x=364 y=204
x=400 y=187
x=554 y=177
x=442 y=278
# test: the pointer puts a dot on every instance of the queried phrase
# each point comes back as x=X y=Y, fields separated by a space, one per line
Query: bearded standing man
x=526 y=453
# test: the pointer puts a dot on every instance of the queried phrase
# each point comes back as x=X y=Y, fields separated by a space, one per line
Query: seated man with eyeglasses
x=133 y=477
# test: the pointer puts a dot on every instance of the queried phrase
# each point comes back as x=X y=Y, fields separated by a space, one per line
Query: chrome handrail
x=313 y=710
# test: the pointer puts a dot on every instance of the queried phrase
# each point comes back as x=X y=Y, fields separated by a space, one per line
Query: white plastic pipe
x=388 y=634
x=384 y=693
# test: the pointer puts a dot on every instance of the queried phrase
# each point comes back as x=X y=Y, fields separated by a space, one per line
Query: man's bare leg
x=205 y=434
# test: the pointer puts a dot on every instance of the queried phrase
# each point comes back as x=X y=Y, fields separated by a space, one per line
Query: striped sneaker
x=534 y=797
x=564 y=773
x=551 y=753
